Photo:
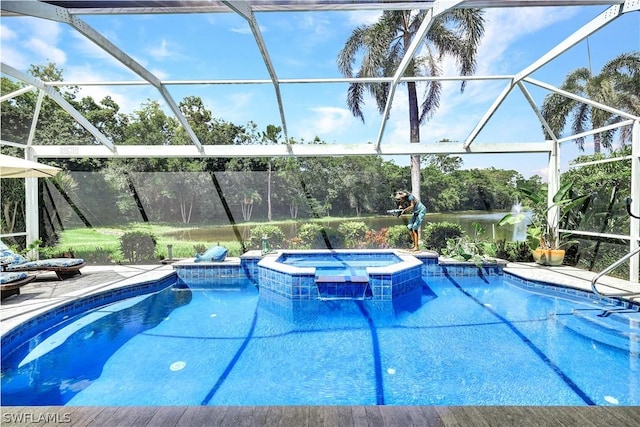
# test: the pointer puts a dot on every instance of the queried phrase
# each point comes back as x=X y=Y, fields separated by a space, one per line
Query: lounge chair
x=10 y=283
x=63 y=267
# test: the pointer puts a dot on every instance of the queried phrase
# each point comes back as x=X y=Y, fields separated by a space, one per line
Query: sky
x=306 y=45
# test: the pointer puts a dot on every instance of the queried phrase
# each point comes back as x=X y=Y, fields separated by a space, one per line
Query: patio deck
x=330 y=416
x=46 y=292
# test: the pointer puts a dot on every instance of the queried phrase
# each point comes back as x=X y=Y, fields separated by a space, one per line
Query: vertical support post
x=31 y=212
x=553 y=181
x=31 y=184
x=634 y=228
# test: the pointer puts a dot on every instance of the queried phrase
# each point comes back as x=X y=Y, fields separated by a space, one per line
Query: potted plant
x=542 y=232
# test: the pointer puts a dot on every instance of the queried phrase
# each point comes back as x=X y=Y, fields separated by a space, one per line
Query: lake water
x=487 y=220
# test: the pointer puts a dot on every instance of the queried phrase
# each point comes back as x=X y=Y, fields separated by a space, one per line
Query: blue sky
x=305 y=45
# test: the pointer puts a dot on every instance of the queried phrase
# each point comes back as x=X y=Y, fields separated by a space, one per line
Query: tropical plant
x=398 y=237
x=617 y=86
x=542 y=231
x=273 y=233
x=381 y=48
x=436 y=234
x=317 y=236
x=354 y=233
x=470 y=248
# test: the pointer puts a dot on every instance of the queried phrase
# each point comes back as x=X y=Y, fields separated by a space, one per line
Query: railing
x=616 y=264
x=608 y=269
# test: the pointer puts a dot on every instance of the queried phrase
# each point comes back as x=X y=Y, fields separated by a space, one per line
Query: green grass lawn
x=100 y=245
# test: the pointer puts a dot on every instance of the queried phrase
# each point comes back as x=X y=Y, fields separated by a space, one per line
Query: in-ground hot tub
x=340 y=274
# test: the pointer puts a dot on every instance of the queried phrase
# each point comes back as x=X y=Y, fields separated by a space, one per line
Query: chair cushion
x=12 y=257
x=46 y=263
x=214 y=253
x=11 y=277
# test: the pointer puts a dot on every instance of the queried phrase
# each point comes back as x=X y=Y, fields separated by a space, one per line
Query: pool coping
x=382 y=283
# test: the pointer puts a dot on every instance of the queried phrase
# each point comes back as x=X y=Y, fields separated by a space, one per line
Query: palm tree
x=617 y=85
x=381 y=47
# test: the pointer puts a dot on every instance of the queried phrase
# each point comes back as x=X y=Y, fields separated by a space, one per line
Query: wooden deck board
x=430 y=416
x=166 y=416
x=359 y=416
x=200 y=416
x=312 y=416
x=110 y=413
x=624 y=416
x=374 y=416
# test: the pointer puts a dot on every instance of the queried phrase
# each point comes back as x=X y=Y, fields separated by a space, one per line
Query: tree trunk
x=414 y=127
x=596 y=143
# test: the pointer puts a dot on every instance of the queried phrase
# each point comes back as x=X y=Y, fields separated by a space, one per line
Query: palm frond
x=355 y=100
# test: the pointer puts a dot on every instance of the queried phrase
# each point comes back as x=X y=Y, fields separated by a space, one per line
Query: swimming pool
x=453 y=341
x=340 y=274
x=336 y=263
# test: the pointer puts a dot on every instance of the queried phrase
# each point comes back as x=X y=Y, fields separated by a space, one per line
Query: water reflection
x=487 y=220
x=309 y=312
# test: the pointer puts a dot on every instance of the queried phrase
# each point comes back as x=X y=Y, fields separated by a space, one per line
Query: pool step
x=616 y=327
x=343 y=287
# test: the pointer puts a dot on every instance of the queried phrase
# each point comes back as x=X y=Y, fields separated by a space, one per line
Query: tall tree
x=617 y=85
x=271 y=136
x=382 y=45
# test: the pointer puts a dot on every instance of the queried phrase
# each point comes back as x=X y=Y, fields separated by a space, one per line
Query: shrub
x=398 y=237
x=436 y=234
x=138 y=246
x=199 y=248
x=95 y=256
x=513 y=251
x=312 y=236
x=376 y=239
x=354 y=233
x=273 y=232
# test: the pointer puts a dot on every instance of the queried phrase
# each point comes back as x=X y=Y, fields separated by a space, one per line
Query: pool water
x=338 y=264
x=455 y=341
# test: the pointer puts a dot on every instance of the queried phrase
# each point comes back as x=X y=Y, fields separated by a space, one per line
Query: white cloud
x=241 y=30
x=42 y=49
x=330 y=119
x=363 y=17
x=129 y=98
x=31 y=41
x=160 y=52
x=543 y=173
x=46 y=30
x=6 y=33
x=10 y=53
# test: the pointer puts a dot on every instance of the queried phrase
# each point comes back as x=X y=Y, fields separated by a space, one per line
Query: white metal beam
x=535 y=108
x=487 y=115
x=103 y=7
x=7 y=69
x=582 y=33
x=27 y=88
x=280 y=150
x=579 y=98
x=59 y=14
x=439 y=8
x=594 y=25
x=597 y=130
x=243 y=8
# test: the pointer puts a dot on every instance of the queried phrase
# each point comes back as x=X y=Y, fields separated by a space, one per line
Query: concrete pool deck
x=47 y=292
